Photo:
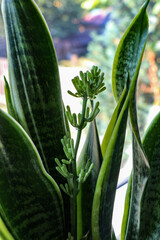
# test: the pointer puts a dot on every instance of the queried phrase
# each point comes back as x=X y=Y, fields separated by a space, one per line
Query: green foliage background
x=61 y=15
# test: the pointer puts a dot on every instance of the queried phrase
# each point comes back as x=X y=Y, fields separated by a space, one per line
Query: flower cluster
x=89 y=83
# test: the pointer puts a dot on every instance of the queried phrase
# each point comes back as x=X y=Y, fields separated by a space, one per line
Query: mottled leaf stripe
x=129 y=51
x=150 y=207
x=30 y=201
x=108 y=176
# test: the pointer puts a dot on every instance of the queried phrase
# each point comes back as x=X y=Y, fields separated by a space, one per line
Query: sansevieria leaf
x=34 y=79
x=139 y=178
x=129 y=51
x=35 y=93
x=91 y=151
x=128 y=58
x=108 y=176
x=140 y=167
x=112 y=123
x=150 y=207
x=31 y=204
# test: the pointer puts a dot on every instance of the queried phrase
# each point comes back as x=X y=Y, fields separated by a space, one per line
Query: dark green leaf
x=30 y=201
x=112 y=123
x=129 y=51
x=140 y=166
x=92 y=151
x=150 y=207
x=34 y=82
x=128 y=59
x=34 y=79
x=139 y=178
x=108 y=176
x=113 y=237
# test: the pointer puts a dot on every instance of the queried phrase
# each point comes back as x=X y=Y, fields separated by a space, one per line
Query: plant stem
x=74 y=171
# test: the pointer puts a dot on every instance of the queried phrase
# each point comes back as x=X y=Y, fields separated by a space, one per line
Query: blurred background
x=86 y=33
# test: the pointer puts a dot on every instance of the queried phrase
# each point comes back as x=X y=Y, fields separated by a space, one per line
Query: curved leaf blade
x=129 y=50
x=139 y=179
x=150 y=227
x=140 y=165
x=35 y=83
x=112 y=123
x=34 y=79
x=30 y=201
x=140 y=168
x=128 y=58
x=92 y=151
x=107 y=180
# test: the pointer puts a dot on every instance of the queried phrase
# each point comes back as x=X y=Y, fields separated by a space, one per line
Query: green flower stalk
x=88 y=86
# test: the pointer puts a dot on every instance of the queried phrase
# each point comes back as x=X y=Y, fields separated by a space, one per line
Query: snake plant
x=46 y=191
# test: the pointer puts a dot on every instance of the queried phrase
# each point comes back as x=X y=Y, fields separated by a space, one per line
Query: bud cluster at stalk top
x=89 y=84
